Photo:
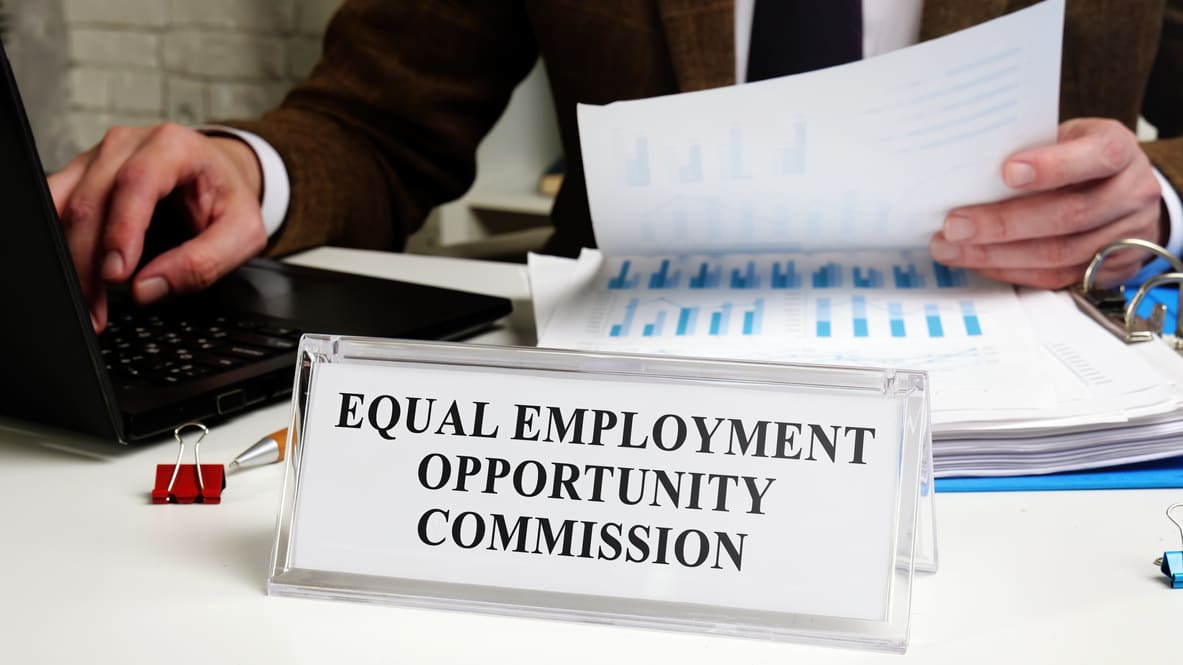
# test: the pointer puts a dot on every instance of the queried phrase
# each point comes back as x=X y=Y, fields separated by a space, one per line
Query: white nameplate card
x=752 y=499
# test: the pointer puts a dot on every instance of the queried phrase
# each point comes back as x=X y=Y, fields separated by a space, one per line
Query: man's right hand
x=106 y=197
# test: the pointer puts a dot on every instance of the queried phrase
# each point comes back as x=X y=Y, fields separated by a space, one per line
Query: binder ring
x=1090 y=273
x=1108 y=306
x=1131 y=310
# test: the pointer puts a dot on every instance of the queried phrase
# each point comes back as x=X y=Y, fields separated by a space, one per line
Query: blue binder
x=1164 y=473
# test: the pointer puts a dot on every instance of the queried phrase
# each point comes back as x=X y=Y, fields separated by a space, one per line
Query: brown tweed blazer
x=387 y=125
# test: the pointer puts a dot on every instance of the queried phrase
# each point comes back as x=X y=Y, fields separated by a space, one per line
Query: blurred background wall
x=84 y=65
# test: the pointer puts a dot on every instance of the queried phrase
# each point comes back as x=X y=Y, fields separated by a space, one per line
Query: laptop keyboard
x=143 y=348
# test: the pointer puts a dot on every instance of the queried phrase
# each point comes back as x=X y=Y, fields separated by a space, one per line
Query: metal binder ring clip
x=181 y=453
x=1149 y=285
x=1108 y=306
x=1090 y=273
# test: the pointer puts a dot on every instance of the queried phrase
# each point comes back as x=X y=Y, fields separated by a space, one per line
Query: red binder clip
x=189 y=483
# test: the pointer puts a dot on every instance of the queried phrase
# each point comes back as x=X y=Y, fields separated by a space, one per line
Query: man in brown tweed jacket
x=387 y=127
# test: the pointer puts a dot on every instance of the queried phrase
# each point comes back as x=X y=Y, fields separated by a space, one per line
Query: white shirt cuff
x=277 y=189
x=1174 y=243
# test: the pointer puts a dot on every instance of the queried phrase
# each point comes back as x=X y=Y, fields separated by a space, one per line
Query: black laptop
x=201 y=357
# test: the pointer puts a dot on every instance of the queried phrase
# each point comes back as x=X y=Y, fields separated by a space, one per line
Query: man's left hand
x=1094 y=186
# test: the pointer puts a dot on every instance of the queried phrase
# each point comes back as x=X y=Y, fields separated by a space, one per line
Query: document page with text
x=871 y=154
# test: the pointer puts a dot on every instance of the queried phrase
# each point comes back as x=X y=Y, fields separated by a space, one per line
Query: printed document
x=870 y=154
x=789 y=219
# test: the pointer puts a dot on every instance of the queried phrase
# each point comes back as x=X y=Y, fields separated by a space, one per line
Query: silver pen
x=267 y=450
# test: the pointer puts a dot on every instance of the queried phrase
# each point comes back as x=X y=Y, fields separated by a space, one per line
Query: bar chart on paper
x=789 y=219
x=688 y=320
x=869 y=156
x=882 y=308
x=895 y=318
x=807 y=296
x=803 y=271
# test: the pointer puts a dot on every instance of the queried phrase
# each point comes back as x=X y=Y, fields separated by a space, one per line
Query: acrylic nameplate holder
x=749 y=499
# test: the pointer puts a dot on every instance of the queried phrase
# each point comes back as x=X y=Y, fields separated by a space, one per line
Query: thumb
x=229 y=241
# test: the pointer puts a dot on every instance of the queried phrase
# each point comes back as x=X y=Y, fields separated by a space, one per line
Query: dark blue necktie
x=794 y=36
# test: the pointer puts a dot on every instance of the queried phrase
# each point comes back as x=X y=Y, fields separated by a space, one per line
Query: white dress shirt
x=887 y=25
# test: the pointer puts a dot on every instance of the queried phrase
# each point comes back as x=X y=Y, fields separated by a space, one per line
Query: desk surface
x=91 y=572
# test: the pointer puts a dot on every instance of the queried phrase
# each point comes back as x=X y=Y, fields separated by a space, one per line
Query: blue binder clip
x=1171 y=563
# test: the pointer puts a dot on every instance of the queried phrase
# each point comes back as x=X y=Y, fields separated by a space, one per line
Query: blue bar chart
x=785 y=277
x=746 y=279
x=707 y=277
x=907 y=277
x=895 y=313
x=824 y=323
x=622 y=279
x=828 y=276
x=663 y=279
x=949 y=278
x=726 y=318
x=860 y=316
x=622 y=329
x=893 y=298
x=804 y=272
x=687 y=317
x=655 y=329
x=868 y=278
x=720 y=319
x=973 y=327
x=753 y=319
x=932 y=316
x=897 y=309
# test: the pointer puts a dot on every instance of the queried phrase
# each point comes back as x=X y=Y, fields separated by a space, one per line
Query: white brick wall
x=142 y=62
x=143 y=13
x=86 y=65
x=113 y=47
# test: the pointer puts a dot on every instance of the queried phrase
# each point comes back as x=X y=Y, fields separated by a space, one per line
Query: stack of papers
x=1116 y=404
x=788 y=220
x=1022 y=382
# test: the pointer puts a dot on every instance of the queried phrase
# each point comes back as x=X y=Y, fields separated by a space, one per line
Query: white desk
x=91 y=572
